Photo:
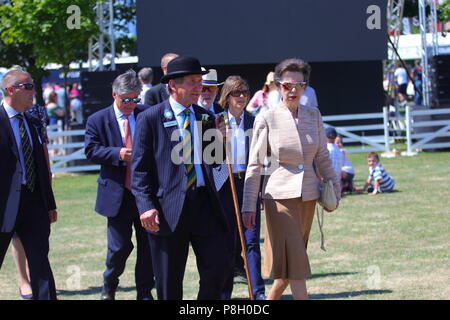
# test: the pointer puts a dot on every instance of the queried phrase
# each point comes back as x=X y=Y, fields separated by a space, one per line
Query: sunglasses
x=238 y=93
x=27 y=86
x=289 y=86
x=128 y=100
x=209 y=88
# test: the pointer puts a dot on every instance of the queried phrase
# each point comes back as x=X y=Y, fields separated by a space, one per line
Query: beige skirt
x=288 y=223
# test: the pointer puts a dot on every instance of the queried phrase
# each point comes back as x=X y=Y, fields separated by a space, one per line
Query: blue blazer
x=103 y=142
x=11 y=171
x=157 y=182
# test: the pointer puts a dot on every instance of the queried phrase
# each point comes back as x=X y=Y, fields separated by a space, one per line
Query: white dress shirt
x=238 y=154
x=179 y=115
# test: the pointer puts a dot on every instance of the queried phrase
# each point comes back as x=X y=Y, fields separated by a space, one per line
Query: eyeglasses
x=128 y=100
x=289 y=86
x=238 y=93
x=27 y=86
x=209 y=88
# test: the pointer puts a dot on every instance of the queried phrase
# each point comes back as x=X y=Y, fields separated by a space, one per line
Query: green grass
x=389 y=246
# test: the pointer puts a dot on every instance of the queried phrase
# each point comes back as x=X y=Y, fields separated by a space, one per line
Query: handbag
x=327 y=197
x=328 y=200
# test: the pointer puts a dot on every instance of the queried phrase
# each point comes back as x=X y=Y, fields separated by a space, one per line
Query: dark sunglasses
x=128 y=100
x=289 y=86
x=209 y=88
x=238 y=93
x=27 y=86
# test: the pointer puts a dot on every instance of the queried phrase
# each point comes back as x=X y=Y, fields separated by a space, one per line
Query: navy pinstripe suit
x=103 y=142
x=185 y=216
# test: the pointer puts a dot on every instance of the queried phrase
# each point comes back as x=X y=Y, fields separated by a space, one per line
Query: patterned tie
x=188 y=147
x=128 y=144
x=27 y=151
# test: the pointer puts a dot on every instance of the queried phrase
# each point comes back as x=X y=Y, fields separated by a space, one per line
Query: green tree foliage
x=124 y=15
x=35 y=33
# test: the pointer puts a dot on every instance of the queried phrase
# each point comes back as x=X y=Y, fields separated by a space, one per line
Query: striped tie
x=188 y=155
x=27 y=151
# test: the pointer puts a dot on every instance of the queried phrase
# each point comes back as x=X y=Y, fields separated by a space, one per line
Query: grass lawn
x=390 y=246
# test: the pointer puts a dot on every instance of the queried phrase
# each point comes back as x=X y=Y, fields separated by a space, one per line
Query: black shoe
x=145 y=297
x=260 y=296
x=108 y=294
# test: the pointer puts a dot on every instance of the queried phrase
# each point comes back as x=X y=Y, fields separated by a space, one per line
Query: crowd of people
x=406 y=83
x=191 y=166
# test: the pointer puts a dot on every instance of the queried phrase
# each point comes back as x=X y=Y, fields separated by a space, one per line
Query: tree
x=124 y=16
x=41 y=30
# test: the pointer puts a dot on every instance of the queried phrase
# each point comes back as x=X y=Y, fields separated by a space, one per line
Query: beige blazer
x=284 y=154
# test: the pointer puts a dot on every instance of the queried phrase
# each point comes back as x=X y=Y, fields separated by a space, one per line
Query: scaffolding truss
x=102 y=50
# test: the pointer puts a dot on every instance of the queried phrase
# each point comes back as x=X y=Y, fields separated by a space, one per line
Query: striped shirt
x=387 y=183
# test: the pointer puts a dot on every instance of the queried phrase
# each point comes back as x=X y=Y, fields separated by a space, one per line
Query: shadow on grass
x=333 y=274
x=365 y=193
x=339 y=295
x=351 y=294
x=91 y=290
x=315 y=276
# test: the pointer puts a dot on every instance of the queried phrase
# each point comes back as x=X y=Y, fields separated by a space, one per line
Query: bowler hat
x=182 y=66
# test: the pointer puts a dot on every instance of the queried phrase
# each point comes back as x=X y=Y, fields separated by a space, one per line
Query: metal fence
x=66 y=148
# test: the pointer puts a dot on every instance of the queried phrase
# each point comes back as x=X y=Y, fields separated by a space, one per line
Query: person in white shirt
x=401 y=78
x=336 y=155
x=145 y=76
x=309 y=98
x=348 y=172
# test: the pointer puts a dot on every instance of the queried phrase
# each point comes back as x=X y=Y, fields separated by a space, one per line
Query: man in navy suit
x=160 y=92
x=175 y=196
x=27 y=204
x=109 y=135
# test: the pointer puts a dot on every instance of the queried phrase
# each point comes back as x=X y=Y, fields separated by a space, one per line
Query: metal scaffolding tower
x=394 y=22
x=102 y=48
x=428 y=51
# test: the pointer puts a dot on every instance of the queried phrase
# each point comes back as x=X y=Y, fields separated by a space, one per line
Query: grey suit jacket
x=285 y=155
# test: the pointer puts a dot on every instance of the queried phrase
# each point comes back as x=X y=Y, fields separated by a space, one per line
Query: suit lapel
x=114 y=127
x=301 y=118
x=4 y=123
x=248 y=125
x=169 y=129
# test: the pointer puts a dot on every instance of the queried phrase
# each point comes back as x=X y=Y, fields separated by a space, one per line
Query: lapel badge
x=168 y=115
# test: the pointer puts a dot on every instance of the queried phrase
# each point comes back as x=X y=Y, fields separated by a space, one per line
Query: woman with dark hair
x=234 y=99
x=287 y=140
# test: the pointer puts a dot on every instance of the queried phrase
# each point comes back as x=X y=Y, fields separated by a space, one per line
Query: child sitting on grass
x=379 y=180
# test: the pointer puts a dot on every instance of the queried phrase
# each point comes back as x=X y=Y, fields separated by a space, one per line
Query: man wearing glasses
x=27 y=204
x=108 y=142
x=210 y=88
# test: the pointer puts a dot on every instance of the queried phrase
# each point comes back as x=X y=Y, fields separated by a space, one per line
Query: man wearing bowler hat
x=174 y=188
x=210 y=88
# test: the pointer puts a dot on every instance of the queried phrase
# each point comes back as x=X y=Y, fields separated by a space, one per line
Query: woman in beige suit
x=286 y=141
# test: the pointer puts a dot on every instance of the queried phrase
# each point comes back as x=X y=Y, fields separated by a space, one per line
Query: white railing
x=423 y=140
x=62 y=151
x=364 y=134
